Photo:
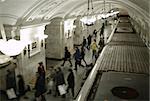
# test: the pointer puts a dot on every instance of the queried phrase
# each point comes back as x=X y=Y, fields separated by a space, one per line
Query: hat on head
x=40 y=63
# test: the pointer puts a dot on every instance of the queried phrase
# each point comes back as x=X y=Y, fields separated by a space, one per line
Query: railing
x=83 y=94
x=112 y=33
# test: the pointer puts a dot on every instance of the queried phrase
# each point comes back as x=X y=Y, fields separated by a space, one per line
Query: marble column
x=55 y=40
x=78 y=35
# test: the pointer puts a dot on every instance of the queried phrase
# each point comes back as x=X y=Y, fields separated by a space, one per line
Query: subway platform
x=80 y=74
x=79 y=79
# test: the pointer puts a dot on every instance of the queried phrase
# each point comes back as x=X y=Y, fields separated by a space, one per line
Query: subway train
x=121 y=72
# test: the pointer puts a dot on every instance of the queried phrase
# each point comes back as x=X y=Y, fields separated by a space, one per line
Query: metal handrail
x=112 y=33
x=84 y=92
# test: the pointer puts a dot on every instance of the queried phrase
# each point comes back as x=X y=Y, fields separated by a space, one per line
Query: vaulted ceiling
x=22 y=11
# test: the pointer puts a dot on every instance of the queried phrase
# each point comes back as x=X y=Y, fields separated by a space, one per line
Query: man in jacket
x=59 y=80
x=67 y=57
x=77 y=57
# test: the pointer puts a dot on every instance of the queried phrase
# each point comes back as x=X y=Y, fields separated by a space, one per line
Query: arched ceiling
x=25 y=11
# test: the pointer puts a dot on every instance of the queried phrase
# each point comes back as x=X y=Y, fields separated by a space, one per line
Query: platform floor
x=79 y=76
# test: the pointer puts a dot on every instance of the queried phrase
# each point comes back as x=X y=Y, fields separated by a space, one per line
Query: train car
x=121 y=72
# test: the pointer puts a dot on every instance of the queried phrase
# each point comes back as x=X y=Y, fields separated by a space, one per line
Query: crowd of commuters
x=56 y=84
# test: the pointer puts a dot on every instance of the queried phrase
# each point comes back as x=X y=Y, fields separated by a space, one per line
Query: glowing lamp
x=89 y=18
x=105 y=14
x=11 y=47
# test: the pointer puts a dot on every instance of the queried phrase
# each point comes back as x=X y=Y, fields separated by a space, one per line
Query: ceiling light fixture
x=89 y=18
x=106 y=14
x=3 y=0
x=11 y=47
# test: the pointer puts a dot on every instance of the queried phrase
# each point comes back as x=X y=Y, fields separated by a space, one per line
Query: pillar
x=55 y=40
x=78 y=35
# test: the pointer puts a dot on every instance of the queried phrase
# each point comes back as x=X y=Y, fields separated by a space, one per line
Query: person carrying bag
x=60 y=83
x=62 y=89
x=11 y=93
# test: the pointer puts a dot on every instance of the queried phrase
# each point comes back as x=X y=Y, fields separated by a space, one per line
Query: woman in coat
x=40 y=88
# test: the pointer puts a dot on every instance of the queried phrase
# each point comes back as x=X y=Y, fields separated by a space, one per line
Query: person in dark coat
x=10 y=80
x=71 y=82
x=59 y=80
x=40 y=88
x=84 y=42
x=21 y=85
x=77 y=56
x=101 y=44
x=41 y=69
x=95 y=32
x=89 y=38
x=67 y=57
x=83 y=55
x=102 y=30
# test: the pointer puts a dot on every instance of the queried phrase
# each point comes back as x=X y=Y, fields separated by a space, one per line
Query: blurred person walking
x=41 y=70
x=10 y=80
x=51 y=83
x=67 y=57
x=95 y=33
x=71 y=82
x=59 y=81
x=40 y=88
x=84 y=43
x=83 y=55
x=94 y=48
x=89 y=38
x=77 y=57
x=21 y=86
